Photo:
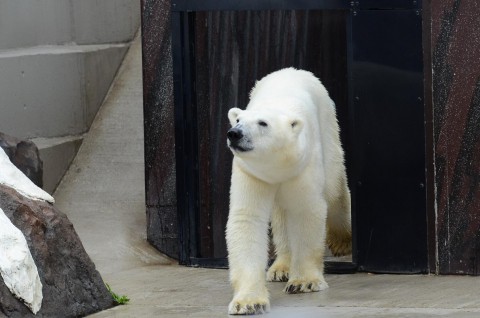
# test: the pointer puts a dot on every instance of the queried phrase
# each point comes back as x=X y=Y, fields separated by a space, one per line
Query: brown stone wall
x=161 y=199
x=455 y=89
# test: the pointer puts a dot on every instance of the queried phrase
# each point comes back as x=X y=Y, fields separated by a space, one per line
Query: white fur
x=291 y=173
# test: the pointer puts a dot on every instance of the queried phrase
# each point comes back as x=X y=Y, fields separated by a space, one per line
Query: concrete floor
x=103 y=195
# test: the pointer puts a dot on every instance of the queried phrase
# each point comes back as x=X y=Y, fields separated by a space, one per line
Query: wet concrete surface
x=176 y=291
x=103 y=195
x=103 y=192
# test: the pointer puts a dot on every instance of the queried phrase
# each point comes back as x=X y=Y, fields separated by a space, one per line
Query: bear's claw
x=247 y=308
x=278 y=272
x=281 y=278
x=277 y=276
x=296 y=287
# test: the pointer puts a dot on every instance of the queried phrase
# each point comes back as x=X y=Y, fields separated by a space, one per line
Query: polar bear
x=288 y=170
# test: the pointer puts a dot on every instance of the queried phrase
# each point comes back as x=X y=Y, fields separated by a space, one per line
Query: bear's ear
x=233 y=114
x=297 y=126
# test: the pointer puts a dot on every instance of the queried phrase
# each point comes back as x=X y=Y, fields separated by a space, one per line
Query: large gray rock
x=17 y=266
x=72 y=287
x=25 y=156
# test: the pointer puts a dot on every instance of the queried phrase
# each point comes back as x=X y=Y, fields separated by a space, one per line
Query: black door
x=388 y=160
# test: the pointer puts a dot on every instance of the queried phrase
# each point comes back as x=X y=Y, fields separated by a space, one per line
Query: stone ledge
x=57 y=154
x=59 y=49
x=55 y=91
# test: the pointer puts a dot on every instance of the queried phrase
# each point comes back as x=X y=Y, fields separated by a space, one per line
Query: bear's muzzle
x=237 y=140
x=234 y=134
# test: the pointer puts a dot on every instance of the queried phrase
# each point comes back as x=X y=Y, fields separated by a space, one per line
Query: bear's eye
x=238 y=120
x=262 y=123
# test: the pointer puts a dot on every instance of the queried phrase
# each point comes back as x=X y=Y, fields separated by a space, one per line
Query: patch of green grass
x=119 y=300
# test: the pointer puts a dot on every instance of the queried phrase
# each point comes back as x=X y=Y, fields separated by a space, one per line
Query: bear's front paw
x=277 y=273
x=305 y=286
x=248 y=306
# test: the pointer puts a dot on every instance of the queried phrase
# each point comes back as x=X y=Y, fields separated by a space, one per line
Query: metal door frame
x=186 y=144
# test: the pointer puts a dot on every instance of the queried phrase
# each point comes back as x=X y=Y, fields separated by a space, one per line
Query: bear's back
x=288 y=82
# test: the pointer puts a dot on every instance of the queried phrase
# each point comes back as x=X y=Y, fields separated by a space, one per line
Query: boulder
x=25 y=156
x=72 y=287
x=17 y=266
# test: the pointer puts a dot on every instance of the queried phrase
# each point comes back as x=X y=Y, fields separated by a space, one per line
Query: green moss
x=119 y=300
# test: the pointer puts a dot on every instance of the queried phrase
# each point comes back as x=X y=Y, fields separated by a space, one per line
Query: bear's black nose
x=234 y=134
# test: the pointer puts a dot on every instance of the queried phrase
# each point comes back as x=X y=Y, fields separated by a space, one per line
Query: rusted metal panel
x=162 y=228
x=455 y=47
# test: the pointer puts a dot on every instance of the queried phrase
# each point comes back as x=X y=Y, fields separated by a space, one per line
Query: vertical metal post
x=353 y=178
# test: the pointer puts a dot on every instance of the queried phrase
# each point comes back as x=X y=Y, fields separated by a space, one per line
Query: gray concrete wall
x=27 y=23
x=57 y=61
x=55 y=91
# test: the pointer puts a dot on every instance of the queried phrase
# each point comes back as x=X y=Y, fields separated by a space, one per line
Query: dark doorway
x=370 y=60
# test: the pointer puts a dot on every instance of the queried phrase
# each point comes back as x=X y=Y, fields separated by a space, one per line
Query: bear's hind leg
x=279 y=271
x=339 y=225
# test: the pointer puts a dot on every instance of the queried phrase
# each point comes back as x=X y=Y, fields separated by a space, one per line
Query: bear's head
x=265 y=139
x=261 y=132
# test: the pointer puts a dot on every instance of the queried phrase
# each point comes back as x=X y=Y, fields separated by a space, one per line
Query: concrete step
x=57 y=155
x=55 y=90
x=26 y=23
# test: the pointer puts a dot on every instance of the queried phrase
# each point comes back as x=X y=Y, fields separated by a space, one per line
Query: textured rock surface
x=25 y=156
x=17 y=267
x=11 y=176
x=72 y=286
